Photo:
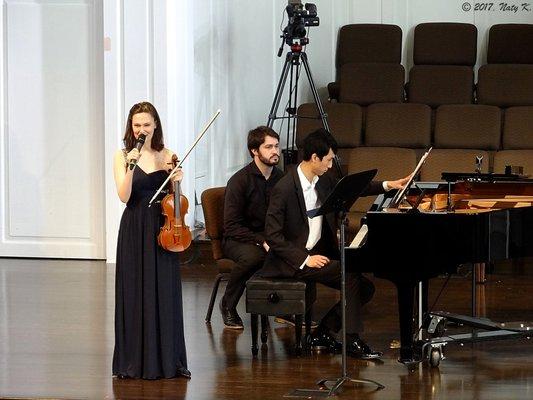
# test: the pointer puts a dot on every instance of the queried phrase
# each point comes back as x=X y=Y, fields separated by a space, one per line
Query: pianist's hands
x=399 y=183
x=317 y=261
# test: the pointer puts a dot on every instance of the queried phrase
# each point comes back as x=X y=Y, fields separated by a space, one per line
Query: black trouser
x=249 y=259
x=359 y=290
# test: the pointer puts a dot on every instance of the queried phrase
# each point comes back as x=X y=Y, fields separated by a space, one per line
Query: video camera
x=300 y=17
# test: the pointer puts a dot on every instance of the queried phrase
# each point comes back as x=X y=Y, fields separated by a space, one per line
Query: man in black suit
x=245 y=205
x=307 y=249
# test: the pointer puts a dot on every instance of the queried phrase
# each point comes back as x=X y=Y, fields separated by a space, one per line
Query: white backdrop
x=51 y=130
x=148 y=56
x=188 y=57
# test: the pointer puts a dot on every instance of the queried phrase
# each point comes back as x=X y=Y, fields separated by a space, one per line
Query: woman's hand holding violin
x=177 y=176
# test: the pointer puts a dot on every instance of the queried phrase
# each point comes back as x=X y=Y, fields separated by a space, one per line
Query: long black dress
x=149 y=340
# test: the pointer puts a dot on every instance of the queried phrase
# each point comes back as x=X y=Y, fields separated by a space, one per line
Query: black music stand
x=339 y=201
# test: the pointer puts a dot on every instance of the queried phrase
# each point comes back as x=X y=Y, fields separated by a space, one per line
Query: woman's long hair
x=157 y=138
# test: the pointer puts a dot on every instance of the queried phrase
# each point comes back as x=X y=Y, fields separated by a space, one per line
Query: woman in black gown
x=149 y=340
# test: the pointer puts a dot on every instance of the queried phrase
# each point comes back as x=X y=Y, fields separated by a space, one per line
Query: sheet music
x=360 y=238
x=401 y=193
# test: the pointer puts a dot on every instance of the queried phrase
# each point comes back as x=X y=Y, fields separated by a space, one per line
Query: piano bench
x=277 y=296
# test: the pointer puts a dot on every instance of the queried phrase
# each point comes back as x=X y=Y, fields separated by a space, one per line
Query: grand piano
x=467 y=218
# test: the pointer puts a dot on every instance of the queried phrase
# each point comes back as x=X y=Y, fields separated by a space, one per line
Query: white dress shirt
x=311 y=202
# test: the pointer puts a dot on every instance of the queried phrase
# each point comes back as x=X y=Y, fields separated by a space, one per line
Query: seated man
x=307 y=249
x=245 y=205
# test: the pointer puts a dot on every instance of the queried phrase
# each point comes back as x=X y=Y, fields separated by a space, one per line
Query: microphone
x=138 y=146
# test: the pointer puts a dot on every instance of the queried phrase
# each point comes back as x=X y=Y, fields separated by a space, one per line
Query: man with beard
x=245 y=206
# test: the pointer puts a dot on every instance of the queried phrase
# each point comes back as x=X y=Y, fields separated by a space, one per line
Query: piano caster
x=435 y=355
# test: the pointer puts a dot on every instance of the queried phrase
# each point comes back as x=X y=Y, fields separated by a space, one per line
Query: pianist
x=307 y=249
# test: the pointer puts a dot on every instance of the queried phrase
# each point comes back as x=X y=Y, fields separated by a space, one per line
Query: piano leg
x=481 y=309
x=478 y=290
x=479 y=270
x=420 y=309
x=425 y=296
x=423 y=293
x=406 y=295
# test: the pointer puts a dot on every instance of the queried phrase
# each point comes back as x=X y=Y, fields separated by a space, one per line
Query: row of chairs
x=369 y=66
x=502 y=85
x=418 y=126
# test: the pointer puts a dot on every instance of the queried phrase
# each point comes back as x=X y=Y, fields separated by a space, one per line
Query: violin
x=175 y=235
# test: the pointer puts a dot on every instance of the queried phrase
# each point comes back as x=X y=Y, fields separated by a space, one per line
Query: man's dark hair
x=318 y=142
x=256 y=137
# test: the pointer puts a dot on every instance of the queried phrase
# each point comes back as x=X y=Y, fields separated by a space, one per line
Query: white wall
x=51 y=129
x=148 y=57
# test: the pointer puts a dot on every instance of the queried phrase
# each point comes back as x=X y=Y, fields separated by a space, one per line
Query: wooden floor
x=56 y=341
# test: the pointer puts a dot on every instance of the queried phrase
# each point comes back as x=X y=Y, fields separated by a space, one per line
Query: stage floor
x=56 y=341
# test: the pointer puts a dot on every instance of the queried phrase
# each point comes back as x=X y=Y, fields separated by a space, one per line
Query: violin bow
x=185 y=156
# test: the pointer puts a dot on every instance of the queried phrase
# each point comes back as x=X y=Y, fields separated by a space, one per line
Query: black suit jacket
x=287 y=228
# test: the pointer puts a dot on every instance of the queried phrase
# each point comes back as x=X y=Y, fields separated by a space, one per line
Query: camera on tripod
x=300 y=17
x=295 y=35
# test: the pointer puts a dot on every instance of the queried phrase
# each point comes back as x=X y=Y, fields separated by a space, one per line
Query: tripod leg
x=293 y=104
x=319 y=106
x=279 y=91
x=314 y=90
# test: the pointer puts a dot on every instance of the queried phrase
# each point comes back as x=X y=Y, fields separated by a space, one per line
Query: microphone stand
x=338 y=382
x=339 y=201
x=178 y=165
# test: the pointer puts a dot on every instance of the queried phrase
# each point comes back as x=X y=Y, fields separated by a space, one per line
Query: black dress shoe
x=322 y=340
x=182 y=371
x=230 y=317
x=357 y=348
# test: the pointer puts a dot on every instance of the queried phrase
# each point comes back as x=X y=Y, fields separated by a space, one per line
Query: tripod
x=291 y=68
